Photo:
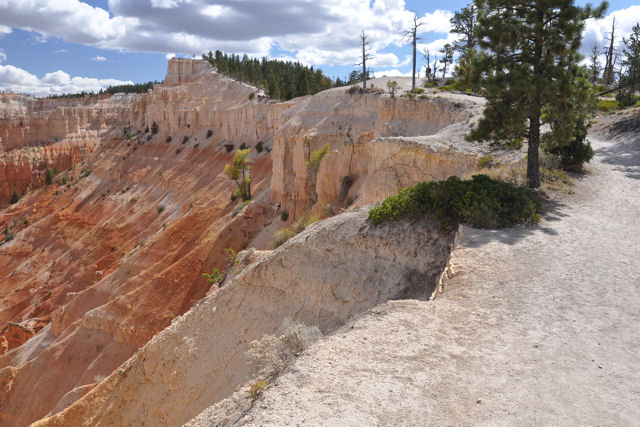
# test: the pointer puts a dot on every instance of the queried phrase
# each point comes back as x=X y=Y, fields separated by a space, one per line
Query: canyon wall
x=103 y=259
x=201 y=359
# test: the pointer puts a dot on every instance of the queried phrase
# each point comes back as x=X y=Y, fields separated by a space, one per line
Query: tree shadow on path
x=623 y=155
x=552 y=211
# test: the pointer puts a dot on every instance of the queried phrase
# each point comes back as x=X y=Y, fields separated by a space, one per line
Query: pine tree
x=239 y=172
x=630 y=78
x=15 y=197
x=464 y=22
x=595 y=63
x=529 y=68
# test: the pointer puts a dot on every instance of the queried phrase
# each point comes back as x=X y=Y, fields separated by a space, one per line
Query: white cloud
x=73 y=20
x=597 y=31
x=4 y=30
x=17 y=80
x=98 y=58
x=394 y=73
x=61 y=51
x=3 y=56
x=170 y=56
x=167 y=4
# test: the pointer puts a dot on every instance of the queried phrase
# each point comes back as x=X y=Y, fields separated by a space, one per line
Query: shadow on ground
x=551 y=212
x=623 y=155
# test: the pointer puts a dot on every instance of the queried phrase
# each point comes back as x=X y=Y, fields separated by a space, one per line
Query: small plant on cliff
x=392 y=86
x=259 y=147
x=15 y=197
x=316 y=156
x=185 y=139
x=215 y=278
x=299 y=226
x=239 y=172
x=270 y=355
x=209 y=133
x=481 y=202
x=256 y=387
x=154 y=128
x=160 y=208
x=49 y=176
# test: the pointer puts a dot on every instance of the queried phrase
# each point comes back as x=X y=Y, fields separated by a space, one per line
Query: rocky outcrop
x=200 y=358
x=36 y=134
x=183 y=70
x=115 y=248
x=363 y=134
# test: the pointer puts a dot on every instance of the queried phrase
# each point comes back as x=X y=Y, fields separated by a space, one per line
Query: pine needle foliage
x=529 y=65
x=482 y=202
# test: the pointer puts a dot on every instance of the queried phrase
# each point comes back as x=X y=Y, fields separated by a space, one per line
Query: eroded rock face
x=327 y=274
x=360 y=131
x=36 y=134
x=106 y=260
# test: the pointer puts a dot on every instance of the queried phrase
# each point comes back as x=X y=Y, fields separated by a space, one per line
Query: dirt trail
x=540 y=327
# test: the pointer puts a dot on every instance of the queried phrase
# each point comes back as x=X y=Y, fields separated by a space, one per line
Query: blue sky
x=54 y=46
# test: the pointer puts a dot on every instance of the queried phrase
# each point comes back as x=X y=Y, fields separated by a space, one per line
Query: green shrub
x=354 y=89
x=574 y=155
x=607 y=105
x=160 y=208
x=316 y=156
x=209 y=133
x=487 y=161
x=417 y=90
x=284 y=215
x=48 y=177
x=392 y=86
x=252 y=95
x=185 y=139
x=300 y=225
x=457 y=85
x=259 y=147
x=481 y=202
x=154 y=128
x=168 y=140
x=15 y=197
x=215 y=278
x=228 y=147
x=431 y=84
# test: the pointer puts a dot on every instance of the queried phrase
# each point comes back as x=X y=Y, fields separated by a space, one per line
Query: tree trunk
x=413 y=75
x=364 y=67
x=533 y=171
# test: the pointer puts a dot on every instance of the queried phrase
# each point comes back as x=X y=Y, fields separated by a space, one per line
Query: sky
x=66 y=46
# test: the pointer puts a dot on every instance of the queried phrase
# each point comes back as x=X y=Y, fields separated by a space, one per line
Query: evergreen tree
x=238 y=171
x=630 y=79
x=48 y=176
x=529 y=68
x=595 y=63
x=15 y=197
x=447 y=57
x=464 y=23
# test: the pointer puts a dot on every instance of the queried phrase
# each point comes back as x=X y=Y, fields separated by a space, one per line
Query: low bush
x=481 y=202
x=259 y=147
x=488 y=161
x=316 y=156
x=607 y=105
x=299 y=226
x=168 y=140
x=15 y=197
x=270 y=355
x=431 y=84
x=355 y=89
x=209 y=133
x=284 y=215
x=185 y=139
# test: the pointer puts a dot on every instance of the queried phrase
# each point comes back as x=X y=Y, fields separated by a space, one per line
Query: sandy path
x=541 y=326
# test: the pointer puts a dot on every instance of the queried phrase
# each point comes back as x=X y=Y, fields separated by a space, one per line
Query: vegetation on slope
x=281 y=79
x=482 y=202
